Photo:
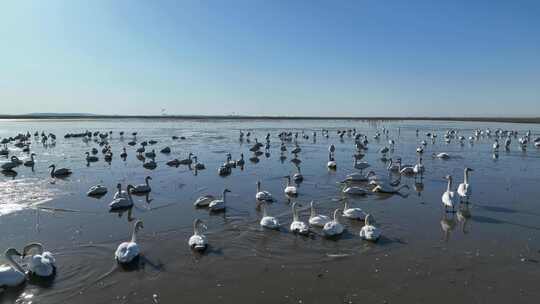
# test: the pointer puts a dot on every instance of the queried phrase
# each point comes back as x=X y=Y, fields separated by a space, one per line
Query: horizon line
x=508 y=119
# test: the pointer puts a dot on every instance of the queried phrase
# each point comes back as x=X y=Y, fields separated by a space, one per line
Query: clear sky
x=273 y=57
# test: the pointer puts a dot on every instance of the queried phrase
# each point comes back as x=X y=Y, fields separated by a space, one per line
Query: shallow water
x=424 y=255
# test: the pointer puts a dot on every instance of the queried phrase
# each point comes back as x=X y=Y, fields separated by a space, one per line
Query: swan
x=150 y=165
x=241 y=161
x=124 y=153
x=370 y=232
x=334 y=227
x=496 y=145
x=267 y=221
x=96 y=190
x=119 y=192
x=41 y=264
x=290 y=190
x=406 y=170
x=218 y=204
x=173 y=163
x=198 y=240
x=122 y=202
x=332 y=149
x=360 y=165
x=464 y=189
x=31 y=162
x=224 y=170
x=297 y=226
x=331 y=162
x=394 y=166
x=298 y=177
x=187 y=161
x=388 y=188
x=90 y=158
x=166 y=150
x=60 y=172
x=359 y=177
x=204 y=201
x=129 y=251
x=441 y=155
x=449 y=196
x=419 y=167
x=263 y=195
x=317 y=220
x=352 y=213
x=12 y=274
x=151 y=154
x=198 y=165
x=142 y=188
x=354 y=190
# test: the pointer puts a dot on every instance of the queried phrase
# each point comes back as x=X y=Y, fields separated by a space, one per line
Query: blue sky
x=278 y=57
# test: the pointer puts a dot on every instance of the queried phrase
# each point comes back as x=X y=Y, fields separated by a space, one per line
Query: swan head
x=129 y=188
x=12 y=252
x=138 y=225
x=448 y=177
x=469 y=169
x=369 y=219
x=226 y=190
x=29 y=247
x=148 y=178
x=52 y=166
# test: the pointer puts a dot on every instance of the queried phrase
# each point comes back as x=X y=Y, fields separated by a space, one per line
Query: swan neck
x=295 y=213
x=466 y=177
x=14 y=264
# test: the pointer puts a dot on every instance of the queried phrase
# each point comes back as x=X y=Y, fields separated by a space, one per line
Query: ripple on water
x=20 y=194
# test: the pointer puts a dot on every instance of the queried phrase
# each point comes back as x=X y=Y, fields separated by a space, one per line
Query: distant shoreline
x=528 y=120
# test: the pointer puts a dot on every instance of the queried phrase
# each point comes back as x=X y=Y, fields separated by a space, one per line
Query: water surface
x=424 y=256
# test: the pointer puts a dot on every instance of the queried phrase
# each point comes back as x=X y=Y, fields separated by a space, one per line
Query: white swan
x=204 y=201
x=464 y=189
x=129 y=251
x=394 y=166
x=317 y=220
x=97 y=190
x=219 y=204
x=142 y=188
x=298 y=177
x=359 y=177
x=352 y=213
x=60 y=172
x=297 y=226
x=122 y=202
x=91 y=158
x=263 y=195
x=334 y=227
x=419 y=167
x=449 y=196
x=198 y=240
x=290 y=190
x=331 y=162
x=31 y=162
x=442 y=155
x=12 y=274
x=41 y=264
x=388 y=188
x=119 y=192
x=354 y=190
x=268 y=221
x=370 y=232
x=360 y=165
